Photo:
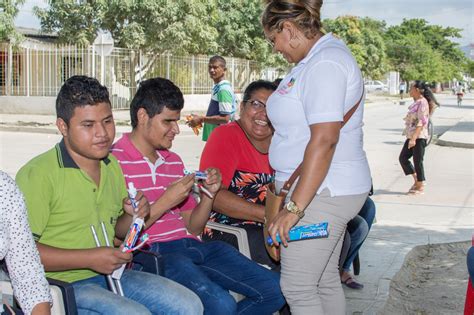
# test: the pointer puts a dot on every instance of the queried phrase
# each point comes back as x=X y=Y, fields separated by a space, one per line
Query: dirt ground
x=432 y=280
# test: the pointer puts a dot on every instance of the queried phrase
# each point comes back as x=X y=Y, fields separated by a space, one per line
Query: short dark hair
x=257 y=85
x=153 y=95
x=220 y=59
x=79 y=91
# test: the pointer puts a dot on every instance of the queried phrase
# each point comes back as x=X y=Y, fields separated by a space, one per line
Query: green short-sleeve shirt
x=63 y=202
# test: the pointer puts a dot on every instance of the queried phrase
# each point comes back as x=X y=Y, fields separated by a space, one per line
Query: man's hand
x=178 y=191
x=281 y=224
x=105 y=260
x=213 y=181
x=143 y=210
x=194 y=120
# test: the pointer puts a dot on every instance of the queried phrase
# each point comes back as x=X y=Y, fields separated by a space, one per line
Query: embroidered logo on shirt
x=285 y=89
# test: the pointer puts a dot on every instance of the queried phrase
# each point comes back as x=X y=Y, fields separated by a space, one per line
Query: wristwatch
x=293 y=208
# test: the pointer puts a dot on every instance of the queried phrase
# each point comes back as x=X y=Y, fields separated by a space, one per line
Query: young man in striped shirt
x=177 y=220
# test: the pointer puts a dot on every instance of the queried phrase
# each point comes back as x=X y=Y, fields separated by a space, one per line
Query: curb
x=30 y=129
x=453 y=144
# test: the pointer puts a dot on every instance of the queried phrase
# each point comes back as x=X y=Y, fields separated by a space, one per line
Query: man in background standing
x=402 y=88
x=223 y=102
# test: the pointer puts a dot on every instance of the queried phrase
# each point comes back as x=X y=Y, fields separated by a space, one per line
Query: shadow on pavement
x=400 y=143
x=389 y=192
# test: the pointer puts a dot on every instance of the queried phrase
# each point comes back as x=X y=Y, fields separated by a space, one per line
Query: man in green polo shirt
x=76 y=185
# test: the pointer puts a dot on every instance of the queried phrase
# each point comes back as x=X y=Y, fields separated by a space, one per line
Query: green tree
x=8 y=12
x=364 y=38
x=73 y=21
x=420 y=51
x=469 y=69
x=240 y=33
x=159 y=26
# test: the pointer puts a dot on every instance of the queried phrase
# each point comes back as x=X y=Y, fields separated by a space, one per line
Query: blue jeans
x=470 y=264
x=358 y=229
x=211 y=269
x=145 y=293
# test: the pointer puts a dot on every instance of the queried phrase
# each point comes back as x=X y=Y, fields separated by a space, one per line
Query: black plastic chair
x=147 y=261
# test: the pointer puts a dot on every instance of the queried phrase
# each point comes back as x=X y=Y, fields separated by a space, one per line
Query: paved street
x=442 y=214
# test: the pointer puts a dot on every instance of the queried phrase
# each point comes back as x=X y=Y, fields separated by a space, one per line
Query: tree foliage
x=8 y=12
x=420 y=51
x=227 y=27
x=240 y=33
x=232 y=28
x=152 y=25
x=364 y=38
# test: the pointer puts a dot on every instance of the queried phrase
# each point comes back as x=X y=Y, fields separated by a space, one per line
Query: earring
x=298 y=42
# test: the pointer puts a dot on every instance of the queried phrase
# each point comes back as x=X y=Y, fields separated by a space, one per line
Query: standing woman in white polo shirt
x=307 y=112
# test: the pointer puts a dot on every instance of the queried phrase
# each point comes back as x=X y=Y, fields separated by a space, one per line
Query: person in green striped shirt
x=222 y=106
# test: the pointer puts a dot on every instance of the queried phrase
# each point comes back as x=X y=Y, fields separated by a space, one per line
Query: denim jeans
x=358 y=229
x=470 y=264
x=211 y=269
x=145 y=293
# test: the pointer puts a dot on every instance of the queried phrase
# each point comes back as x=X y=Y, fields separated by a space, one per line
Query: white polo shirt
x=321 y=88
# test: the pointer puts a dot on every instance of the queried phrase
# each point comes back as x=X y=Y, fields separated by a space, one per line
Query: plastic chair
x=240 y=234
x=62 y=293
x=147 y=261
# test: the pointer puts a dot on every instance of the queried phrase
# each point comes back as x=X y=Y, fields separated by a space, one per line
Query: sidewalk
x=461 y=135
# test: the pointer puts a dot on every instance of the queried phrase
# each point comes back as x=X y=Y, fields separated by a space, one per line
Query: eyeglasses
x=256 y=105
x=271 y=41
x=271 y=37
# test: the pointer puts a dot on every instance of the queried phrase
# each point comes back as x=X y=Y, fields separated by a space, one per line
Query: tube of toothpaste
x=302 y=232
x=198 y=174
x=133 y=233
x=132 y=194
x=130 y=241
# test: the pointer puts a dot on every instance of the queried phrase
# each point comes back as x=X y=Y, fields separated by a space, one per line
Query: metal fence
x=40 y=70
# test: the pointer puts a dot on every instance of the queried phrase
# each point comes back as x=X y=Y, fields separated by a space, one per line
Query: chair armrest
x=64 y=300
x=148 y=262
x=240 y=234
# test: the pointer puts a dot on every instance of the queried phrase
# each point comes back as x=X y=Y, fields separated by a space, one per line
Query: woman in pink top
x=416 y=131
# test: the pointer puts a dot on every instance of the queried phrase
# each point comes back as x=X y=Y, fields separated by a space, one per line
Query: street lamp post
x=103 y=46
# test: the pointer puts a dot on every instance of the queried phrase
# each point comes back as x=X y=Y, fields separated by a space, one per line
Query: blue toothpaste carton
x=318 y=230
x=198 y=174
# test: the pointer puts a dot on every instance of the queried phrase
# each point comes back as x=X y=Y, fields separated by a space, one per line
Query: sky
x=455 y=13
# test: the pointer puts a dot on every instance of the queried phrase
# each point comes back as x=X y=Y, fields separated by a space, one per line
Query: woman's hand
x=282 y=223
x=411 y=143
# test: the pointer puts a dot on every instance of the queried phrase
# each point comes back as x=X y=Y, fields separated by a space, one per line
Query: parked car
x=375 y=85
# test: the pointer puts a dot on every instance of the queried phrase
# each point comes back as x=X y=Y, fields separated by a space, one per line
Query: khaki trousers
x=310 y=278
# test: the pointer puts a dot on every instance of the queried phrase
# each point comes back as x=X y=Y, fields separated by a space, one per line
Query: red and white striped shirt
x=152 y=179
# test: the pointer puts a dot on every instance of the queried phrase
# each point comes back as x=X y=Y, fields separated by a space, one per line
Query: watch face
x=292 y=206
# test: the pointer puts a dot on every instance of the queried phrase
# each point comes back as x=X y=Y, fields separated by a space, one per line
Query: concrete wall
x=43 y=105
